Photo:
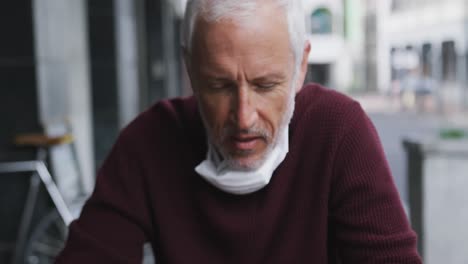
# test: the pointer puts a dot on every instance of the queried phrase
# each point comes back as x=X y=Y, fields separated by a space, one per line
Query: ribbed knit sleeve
x=114 y=221
x=367 y=218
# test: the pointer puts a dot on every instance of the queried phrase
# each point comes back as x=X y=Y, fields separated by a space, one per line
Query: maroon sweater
x=331 y=199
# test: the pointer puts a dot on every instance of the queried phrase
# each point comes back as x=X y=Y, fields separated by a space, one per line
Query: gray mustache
x=254 y=131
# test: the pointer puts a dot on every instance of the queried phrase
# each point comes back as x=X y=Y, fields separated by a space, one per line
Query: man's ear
x=303 y=67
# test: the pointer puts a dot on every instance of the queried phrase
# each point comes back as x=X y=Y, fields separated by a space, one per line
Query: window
x=321 y=21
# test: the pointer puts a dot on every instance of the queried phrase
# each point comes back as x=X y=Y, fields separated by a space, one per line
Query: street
x=393 y=125
x=392 y=128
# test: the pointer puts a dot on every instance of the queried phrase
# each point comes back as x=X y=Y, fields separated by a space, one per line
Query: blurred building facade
x=427 y=40
x=337 y=34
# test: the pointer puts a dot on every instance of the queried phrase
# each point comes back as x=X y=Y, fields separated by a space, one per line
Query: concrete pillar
x=63 y=74
x=384 y=67
x=171 y=49
x=104 y=84
x=128 y=65
x=465 y=84
x=461 y=79
x=436 y=73
x=163 y=49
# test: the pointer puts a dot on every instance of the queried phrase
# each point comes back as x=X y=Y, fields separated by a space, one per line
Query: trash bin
x=438 y=197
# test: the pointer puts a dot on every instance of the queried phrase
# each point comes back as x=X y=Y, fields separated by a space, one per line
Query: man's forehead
x=218 y=45
x=270 y=72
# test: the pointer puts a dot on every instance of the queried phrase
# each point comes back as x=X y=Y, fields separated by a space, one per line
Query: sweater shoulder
x=320 y=106
x=322 y=120
x=163 y=121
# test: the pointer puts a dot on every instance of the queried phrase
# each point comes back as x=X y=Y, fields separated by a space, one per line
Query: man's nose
x=244 y=112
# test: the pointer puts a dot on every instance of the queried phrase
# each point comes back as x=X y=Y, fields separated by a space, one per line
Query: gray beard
x=223 y=162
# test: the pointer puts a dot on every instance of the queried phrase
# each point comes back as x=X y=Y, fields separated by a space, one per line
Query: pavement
x=394 y=124
x=378 y=103
x=445 y=214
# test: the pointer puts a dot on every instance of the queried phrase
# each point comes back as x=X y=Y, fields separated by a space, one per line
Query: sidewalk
x=377 y=103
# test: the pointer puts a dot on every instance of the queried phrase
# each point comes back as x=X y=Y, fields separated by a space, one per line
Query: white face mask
x=243 y=182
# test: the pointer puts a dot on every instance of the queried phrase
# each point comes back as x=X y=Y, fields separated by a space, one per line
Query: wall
x=103 y=69
x=18 y=109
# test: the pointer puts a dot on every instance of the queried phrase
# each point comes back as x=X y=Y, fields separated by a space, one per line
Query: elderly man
x=254 y=168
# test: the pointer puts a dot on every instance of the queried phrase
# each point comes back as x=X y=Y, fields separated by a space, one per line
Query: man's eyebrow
x=216 y=79
x=213 y=75
x=270 y=77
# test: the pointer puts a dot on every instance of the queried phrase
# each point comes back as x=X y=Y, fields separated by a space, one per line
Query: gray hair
x=214 y=10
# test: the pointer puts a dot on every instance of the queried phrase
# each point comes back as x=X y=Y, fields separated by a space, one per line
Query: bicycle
x=48 y=236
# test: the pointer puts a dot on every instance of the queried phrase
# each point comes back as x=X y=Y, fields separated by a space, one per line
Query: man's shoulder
x=322 y=119
x=165 y=119
x=315 y=102
x=313 y=93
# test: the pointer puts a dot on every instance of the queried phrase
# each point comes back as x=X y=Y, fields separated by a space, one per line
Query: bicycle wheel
x=49 y=237
x=47 y=240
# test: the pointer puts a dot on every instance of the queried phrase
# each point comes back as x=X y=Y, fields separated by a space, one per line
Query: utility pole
x=371 y=46
x=465 y=30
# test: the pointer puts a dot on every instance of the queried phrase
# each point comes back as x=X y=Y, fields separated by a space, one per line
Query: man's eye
x=266 y=86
